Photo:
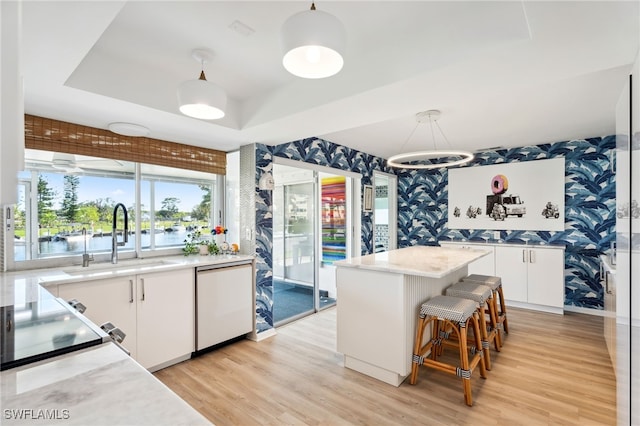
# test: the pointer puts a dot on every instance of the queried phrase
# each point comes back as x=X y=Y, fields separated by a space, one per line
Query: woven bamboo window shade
x=59 y=136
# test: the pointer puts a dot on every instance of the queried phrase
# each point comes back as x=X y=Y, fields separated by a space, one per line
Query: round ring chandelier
x=412 y=160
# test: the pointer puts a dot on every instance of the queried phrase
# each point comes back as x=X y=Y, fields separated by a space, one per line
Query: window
x=66 y=205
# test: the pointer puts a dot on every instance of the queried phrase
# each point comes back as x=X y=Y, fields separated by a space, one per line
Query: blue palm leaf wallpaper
x=589 y=210
x=423 y=208
x=309 y=150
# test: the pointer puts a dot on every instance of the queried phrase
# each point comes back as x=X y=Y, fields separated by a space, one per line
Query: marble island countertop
x=426 y=261
x=98 y=386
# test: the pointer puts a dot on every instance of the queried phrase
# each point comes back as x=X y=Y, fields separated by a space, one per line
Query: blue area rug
x=290 y=300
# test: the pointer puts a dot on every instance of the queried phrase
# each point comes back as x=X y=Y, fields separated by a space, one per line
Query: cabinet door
x=165 y=316
x=546 y=277
x=110 y=300
x=511 y=266
x=483 y=266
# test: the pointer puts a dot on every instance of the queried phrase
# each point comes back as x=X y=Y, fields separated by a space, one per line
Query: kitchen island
x=379 y=300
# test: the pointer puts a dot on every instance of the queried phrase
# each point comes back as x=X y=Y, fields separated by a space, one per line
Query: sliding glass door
x=294 y=243
x=310 y=231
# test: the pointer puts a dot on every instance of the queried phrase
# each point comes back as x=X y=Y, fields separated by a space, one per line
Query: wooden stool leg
x=493 y=315
x=464 y=363
x=484 y=345
x=476 y=326
x=417 y=349
x=503 y=311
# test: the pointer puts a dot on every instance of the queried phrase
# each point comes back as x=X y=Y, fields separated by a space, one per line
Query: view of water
x=99 y=244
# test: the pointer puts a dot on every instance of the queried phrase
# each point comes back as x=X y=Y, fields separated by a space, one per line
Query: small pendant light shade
x=201 y=98
x=314 y=44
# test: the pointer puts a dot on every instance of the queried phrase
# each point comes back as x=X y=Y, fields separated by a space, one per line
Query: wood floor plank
x=552 y=370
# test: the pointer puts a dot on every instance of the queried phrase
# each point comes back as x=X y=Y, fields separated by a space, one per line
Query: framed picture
x=368 y=198
x=527 y=195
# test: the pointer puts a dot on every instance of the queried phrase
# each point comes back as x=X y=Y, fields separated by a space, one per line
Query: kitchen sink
x=122 y=267
x=105 y=270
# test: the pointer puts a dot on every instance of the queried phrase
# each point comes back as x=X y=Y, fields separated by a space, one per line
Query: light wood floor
x=553 y=370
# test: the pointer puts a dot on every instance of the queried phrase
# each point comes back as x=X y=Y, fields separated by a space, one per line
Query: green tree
x=69 y=209
x=88 y=213
x=169 y=208
x=105 y=208
x=202 y=210
x=46 y=195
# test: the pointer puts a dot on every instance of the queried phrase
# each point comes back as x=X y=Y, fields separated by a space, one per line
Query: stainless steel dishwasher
x=225 y=306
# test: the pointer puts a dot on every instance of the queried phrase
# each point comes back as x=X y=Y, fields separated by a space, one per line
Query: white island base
x=379 y=301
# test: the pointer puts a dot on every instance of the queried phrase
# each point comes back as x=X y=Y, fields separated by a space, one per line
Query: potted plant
x=213 y=247
x=192 y=243
x=204 y=248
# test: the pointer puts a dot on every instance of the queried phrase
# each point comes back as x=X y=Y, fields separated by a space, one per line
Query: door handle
x=606 y=283
x=142 y=283
x=130 y=291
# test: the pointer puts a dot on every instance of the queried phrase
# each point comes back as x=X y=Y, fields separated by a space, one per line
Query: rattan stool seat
x=488 y=280
x=449 y=308
x=496 y=285
x=470 y=290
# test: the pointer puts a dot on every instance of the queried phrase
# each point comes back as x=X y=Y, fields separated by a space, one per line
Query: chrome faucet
x=86 y=257
x=114 y=235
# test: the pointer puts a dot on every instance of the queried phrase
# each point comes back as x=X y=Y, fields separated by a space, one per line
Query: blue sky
x=122 y=191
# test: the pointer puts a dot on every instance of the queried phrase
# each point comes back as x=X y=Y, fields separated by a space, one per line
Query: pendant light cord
x=409 y=138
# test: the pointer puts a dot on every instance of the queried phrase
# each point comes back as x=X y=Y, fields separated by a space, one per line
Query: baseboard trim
x=259 y=337
x=588 y=311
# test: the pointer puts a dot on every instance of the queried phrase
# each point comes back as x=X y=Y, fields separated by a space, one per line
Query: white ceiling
x=503 y=73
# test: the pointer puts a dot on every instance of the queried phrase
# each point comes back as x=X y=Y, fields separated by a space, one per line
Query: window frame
x=33 y=262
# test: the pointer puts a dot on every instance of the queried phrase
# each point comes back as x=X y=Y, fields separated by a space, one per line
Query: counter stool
x=447 y=312
x=483 y=296
x=496 y=286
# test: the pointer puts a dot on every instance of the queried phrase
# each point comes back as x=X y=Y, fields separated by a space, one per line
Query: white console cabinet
x=155 y=310
x=532 y=276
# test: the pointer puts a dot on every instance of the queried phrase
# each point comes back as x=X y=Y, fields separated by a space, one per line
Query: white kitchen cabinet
x=155 y=310
x=165 y=317
x=483 y=266
x=110 y=300
x=532 y=275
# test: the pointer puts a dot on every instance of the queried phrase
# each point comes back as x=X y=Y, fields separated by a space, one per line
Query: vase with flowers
x=220 y=235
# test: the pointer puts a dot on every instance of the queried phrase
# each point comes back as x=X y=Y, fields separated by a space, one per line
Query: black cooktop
x=36 y=326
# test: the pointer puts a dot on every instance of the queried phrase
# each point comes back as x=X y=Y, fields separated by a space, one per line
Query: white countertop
x=97 y=386
x=10 y=282
x=426 y=261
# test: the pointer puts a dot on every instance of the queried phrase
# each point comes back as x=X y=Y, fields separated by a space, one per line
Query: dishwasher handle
x=222 y=265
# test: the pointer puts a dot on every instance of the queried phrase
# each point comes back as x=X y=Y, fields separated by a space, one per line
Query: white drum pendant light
x=314 y=43
x=201 y=98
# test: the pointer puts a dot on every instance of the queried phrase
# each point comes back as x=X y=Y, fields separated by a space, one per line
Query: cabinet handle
x=142 y=282
x=532 y=258
x=130 y=291
x=524 y=256
x=9 y=325
x=601 y=270
x=606 y=283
